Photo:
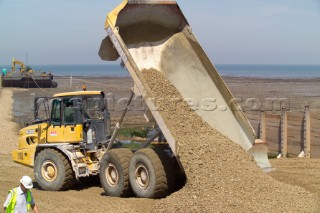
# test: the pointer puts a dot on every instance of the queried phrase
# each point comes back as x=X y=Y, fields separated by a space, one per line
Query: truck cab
x=74 y=126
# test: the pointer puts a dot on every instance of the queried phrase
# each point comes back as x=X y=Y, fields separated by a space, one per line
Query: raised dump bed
x=156 y=35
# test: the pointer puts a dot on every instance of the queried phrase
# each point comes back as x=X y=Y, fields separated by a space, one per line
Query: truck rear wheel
x=53 y=171
x=114 y=172
x=150 y=174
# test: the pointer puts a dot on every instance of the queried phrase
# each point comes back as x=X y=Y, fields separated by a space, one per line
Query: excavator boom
x=16 y=62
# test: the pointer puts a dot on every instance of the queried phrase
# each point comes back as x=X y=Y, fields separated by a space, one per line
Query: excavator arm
x=16 y=62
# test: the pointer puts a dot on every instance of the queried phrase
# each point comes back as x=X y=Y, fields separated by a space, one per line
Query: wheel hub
x=49 y=171
x=112 y=175
x=142 y=176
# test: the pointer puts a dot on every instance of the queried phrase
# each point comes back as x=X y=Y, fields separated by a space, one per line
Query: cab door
x=72 y=126
x=55 y=132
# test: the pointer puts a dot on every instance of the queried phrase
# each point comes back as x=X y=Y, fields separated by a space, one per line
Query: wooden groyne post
x=306 y=134
x=284 y=134
x=262 y=127
x=70 y=80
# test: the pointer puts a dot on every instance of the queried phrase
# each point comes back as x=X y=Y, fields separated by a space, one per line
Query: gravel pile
x=9 y=129
x=222 y=177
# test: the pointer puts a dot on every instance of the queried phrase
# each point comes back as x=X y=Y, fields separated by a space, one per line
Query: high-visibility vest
x=12 y=204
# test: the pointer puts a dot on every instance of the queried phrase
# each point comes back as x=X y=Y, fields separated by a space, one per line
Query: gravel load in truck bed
x=222 y=177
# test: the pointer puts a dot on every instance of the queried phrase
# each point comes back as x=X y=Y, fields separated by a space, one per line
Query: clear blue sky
x=231 y=31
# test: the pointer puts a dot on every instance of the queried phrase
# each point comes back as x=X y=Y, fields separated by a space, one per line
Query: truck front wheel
x=53 y=171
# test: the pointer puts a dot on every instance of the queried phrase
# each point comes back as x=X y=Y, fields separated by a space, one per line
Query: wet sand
x=254 y=95
x=295 y=93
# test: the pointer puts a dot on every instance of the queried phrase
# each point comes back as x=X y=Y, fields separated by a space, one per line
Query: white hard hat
x=26 y=181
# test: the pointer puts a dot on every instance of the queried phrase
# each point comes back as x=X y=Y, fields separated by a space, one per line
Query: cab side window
x=56 y=113
x=68 y=112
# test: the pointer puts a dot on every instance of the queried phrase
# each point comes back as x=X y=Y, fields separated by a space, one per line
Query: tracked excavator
x=69 y=144
x=26 y=77
x=17 y=62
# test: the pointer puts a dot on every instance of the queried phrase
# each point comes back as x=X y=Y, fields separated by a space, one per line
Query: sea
x=238 y=70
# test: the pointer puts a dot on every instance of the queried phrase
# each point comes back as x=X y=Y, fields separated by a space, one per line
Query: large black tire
x=151 y=174
x=114 y=172
x=53 y=171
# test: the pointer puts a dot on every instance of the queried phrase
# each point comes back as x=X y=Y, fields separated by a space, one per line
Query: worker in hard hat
x=20 y=199
x=84 y=87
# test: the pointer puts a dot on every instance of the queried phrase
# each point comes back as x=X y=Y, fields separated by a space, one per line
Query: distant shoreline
x=226 y=70
x=223 y=76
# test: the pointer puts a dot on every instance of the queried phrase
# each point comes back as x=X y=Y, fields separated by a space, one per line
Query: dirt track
x=193 y=198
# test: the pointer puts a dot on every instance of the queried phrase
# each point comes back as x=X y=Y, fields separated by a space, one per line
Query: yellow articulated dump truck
x=74 y=139
x=70 y=138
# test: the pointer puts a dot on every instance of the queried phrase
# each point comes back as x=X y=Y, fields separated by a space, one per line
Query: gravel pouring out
x=222 y=177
